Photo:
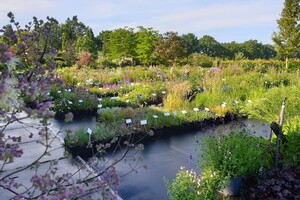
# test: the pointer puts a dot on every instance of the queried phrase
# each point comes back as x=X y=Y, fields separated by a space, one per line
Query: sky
x=225 y=20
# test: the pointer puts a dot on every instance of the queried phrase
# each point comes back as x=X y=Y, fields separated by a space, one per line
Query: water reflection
x=59 y=126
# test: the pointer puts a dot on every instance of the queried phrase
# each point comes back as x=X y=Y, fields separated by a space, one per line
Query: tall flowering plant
x=27 y=65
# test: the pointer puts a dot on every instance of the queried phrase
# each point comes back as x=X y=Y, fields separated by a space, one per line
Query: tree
x=190 y=42
x=146 y=38
x=287 y=39
x=169 y=48
x=86 y=42
x=252 y=49
x=103 y=40
x=84 y=58
x=209 y=46
x=120 y=46
x=231 y=49
x=71 y=30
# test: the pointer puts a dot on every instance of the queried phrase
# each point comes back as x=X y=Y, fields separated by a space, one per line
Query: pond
x=163 y=157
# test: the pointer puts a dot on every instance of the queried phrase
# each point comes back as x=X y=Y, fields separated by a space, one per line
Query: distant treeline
x=76 y=44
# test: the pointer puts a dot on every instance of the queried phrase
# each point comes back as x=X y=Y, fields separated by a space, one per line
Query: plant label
x=128 y=121
x=143 y=122
x=89 y=131
x=166 y=114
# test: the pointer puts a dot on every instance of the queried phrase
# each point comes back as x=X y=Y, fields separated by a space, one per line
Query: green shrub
x=185 y=186
x=109 y=115
x=77 y=101
x=77 y=138
x=202 y=60
x=266 y=107
x=235 y=154
x=291 y=149
x=190 y=185
x=104 y=132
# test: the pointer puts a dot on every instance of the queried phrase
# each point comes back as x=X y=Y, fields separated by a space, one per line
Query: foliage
x=77 y=101
x=291 y=149
x=77 y=138
x=202 y=60
x=266 y=107
x=169 y=48
x=190 y=185
x=27 y=73
x=31 y=76
x=176 y=96
x=287 y=39
x=86 y=42
x=209 y=46
x=186 y=186
x=190 y=42
x=146 y=38
x=233 y=155
x=84 y=59
x=120 y=43
x=109 y=115
x=278 y=184
x=104 y=132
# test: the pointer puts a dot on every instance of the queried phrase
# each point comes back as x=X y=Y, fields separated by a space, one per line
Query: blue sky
x=225 y=20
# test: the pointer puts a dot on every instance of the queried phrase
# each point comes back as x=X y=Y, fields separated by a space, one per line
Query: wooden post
x=279 y=136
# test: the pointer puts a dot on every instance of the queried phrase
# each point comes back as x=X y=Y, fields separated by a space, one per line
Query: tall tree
x=103 y=40
x=120 y=44
x=169 y=48
x=287 y=39
x=86 y=42
x=252 y=49
x=209 y=46
x=146 y=38
x=190 y=42
x=71 y=30
x=231 y=49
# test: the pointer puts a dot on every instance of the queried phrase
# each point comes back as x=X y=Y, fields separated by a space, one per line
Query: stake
x=279 y=136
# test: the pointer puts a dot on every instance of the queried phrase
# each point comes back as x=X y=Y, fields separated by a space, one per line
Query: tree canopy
x=287 y=39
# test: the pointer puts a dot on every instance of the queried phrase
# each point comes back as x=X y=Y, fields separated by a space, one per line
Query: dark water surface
x=61 y=126
x=163 y=157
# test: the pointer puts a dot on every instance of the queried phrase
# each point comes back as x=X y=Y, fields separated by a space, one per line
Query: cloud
x=218 y=16
x=183 y=16
x=23 y=8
